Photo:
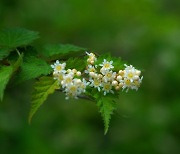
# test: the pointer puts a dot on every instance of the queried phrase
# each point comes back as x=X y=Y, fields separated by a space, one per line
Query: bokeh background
x=146 y=33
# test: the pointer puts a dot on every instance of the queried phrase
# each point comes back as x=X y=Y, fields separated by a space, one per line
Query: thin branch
x=18 y=52
x=81 y=96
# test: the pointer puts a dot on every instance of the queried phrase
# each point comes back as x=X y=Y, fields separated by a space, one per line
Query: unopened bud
x=119 y=77
x=78 y=73
x=114 y=83
x=74 y=71
x=117 y=87
x=138 y=72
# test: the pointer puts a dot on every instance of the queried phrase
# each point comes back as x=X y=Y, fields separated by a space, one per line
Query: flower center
x=107 y=65
x=60 y=77
x=130 y=75
x=96 y=82
x=107 y=87
x=73 y=89
x=128 y=82
x=59 y=68
x=91 y=70
x=68 y=80
x=109 y=75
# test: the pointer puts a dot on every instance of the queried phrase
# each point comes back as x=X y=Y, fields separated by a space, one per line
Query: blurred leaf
x=4 y=52
x=44 y=87
x=106 y=107
x=32 y=68
x=77 y=63
x=57 y=51
x=5 y=74
x=13 y=38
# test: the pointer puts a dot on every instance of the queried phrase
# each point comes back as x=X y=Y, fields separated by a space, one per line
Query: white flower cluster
x=107 y=80
x=101 y=76
x=69 y=80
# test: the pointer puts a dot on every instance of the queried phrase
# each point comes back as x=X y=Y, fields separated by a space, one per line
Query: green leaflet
x=77 y=63
x=106 y=107
x=32 y=68
x=4 y=52
x=13 y=38
x=60 y=51
x=44 y=87
x=5 y=74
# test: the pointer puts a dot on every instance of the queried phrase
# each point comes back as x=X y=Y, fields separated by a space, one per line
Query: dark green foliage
x=106 y=107
x=4 y=52
x=42 y=89
x=27 y=63
x=10 y=39
x=61 y=51
x=77 y=63
x=6 y=73
x=32 y=68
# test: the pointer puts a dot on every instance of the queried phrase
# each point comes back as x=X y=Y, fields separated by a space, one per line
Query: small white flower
x=67 y=80
x=109 y=76
x=92 y=58
x=90 y=68
x=127 y=84
x=106 y=65
x=128 y=67
x=96 y=83
x=82 y=86
x=107 y=88
x=130 y=73
x=71 y=91
x=137 y=83
x=58 y=67
x=60 y=76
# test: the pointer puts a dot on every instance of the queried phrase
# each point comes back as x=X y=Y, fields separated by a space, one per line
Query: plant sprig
x=64 y=68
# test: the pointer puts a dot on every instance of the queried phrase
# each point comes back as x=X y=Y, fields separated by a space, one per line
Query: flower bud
x=121 y=72
x=78 y=73
x=120 y=85
x=114 y=83
x=92 y=62
x=119 y=77
x=91 y=74
x=138 y=72
x=74 y=71
x=117 y=87
x=100 y=76
x=69 y=70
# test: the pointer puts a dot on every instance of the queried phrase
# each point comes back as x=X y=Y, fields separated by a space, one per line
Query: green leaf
x=59 y=51
x=77 y=63
x=106 y=107
x=4 y=52
x=16 y=37
x=42 y=89
x=5 y=74
x=13 y=38
x=32 y=68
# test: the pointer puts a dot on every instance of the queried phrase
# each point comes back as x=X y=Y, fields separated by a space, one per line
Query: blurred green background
x=146 y=33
